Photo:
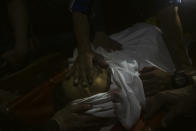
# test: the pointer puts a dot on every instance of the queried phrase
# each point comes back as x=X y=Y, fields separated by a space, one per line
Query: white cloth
x=143 y=46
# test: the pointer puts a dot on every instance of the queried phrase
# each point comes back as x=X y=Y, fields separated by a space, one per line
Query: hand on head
x=84 y=68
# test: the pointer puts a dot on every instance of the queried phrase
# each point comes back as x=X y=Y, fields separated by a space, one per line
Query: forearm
x=173 y=34
x=82 y=32
x=19 y=20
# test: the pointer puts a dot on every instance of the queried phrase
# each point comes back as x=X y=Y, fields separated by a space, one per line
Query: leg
x=19 y=21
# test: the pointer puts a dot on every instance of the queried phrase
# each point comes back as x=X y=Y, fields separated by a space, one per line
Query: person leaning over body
x=175 y=90
x=169 y=22
x=88 y=60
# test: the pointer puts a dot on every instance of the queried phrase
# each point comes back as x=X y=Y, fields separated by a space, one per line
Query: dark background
x=51 y=21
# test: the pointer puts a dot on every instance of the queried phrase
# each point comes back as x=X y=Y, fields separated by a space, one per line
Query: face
x=99 y=85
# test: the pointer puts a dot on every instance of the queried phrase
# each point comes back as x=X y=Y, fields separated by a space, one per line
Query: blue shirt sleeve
x=80 y=6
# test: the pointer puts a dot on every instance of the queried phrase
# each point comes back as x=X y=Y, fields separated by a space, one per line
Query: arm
x=84 y=63
x=179 y=102
x=81 y=30
x=83 y=68
x=173 y=34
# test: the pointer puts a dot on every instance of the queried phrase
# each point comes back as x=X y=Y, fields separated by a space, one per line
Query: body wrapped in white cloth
x=143 y=46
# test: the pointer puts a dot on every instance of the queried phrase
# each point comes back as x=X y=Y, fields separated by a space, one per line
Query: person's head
x=100 y=84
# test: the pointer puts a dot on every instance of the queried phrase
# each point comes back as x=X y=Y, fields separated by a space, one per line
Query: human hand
x=85 y=67
x=173 y=103
x=104 y=41
x=155 y=80
x=73 y=117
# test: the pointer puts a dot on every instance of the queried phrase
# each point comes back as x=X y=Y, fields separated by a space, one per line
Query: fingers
x=82 y=75
x=80 y=108
x=70 y=72
x=83 y=78
x=73 y=71
x=90 y=74
x=84 y=69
